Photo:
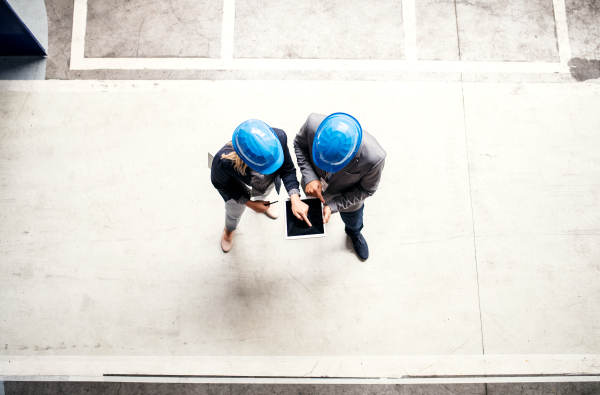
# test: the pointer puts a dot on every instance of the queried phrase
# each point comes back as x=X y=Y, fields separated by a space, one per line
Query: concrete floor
x=483 y=235
x=61 y=388
x=140 y=28
x=111 y=231
x=308 y=29
x=477 y=31
x=584 y=29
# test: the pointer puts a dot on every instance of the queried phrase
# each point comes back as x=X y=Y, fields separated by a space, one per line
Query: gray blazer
x=349 y=187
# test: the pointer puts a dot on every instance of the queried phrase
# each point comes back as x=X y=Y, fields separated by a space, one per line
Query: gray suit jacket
x=349 y=187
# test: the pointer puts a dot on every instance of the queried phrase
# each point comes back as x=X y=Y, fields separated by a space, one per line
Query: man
x=341 y=165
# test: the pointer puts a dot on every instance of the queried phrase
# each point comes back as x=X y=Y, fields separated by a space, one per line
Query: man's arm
x=365 y=188
x=303 y=154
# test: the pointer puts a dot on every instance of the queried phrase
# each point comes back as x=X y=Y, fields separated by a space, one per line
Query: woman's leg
x=233 y=214
x=234 y=210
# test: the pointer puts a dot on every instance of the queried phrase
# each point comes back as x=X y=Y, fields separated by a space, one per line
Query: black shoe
x=360 y=246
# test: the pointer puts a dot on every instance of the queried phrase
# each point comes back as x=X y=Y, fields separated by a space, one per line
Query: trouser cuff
x=352 y=233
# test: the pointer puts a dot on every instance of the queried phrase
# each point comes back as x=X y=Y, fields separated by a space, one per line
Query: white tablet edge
x=301 y=237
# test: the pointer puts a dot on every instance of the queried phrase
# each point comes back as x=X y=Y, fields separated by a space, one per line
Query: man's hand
x=326 y=213
x=260 y=206
x=314 y=188
x=300 y=209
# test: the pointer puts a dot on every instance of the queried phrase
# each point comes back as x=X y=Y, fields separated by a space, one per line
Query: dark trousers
x=353 y=221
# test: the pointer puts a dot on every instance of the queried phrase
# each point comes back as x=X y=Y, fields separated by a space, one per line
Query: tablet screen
x=299 y=228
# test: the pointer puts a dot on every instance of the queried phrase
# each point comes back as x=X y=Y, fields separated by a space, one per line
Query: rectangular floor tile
x=141 y=28
x=437 y=36
x=533 y=171
x=506 y=30
x=583 y=17
x=308 y=29
x=539 y=293
x=534 y=178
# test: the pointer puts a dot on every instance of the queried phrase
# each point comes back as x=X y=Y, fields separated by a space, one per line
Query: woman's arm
x=287 y=170
x=225 y=182
x=288 y=176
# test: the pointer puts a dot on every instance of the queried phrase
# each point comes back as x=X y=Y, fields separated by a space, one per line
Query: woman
x=249 y=166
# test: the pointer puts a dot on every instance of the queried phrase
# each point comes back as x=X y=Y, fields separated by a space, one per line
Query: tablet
x=299 y=229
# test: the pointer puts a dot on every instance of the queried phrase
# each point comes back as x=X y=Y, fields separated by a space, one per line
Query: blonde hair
x=238 y=163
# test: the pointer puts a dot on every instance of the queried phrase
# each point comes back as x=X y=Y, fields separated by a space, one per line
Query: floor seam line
x=458 y=43
x=462 y=83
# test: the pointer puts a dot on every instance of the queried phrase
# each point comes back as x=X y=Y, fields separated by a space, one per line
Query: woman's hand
x=300 y=209
x=260 y=206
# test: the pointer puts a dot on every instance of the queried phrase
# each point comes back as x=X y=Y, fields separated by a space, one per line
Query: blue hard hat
x=257 y=144
x=336 y=142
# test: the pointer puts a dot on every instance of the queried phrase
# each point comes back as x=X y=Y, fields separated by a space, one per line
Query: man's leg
x=354 y=224
x=353 y=221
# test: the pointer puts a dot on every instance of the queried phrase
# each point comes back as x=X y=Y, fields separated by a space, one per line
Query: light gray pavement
x=584 y=28
x=477 y=31
x=141 y=28
x=506 y=30
x=437 y=36
x=73 y=388
x=482 y=235
x=292 y=29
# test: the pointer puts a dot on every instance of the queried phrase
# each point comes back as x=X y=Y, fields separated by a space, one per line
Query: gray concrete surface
x=73 y=388
x=523 y=230
x=556 y=388
x=108 y=246
x=60 y=29
x=437 y=35
x=506 y=30
x=324 y=29
x=583 y=17
x=141 y=28
x=509 y=33
x=80 y=388
x=258 y=301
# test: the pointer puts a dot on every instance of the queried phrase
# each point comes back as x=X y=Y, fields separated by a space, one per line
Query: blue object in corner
x=15 y=38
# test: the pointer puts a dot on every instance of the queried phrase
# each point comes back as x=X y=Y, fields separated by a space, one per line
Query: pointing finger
x=320 y=197
x=306 y=219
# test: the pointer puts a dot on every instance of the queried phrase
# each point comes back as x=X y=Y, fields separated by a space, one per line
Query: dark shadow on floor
x=22 y=68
